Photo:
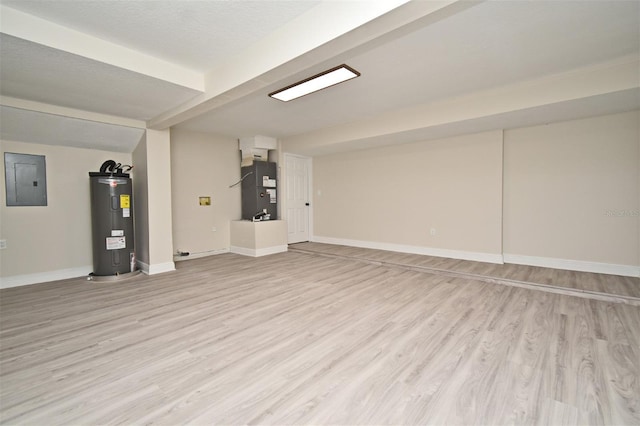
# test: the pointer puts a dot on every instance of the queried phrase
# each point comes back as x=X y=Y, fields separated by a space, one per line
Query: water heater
x=112 y=223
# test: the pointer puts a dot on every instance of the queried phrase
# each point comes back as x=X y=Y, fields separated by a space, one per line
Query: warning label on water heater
x=116 y=243
x=125 y=201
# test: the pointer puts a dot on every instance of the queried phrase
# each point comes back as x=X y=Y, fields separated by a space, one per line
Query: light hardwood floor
x=297 y=338
x=625 y=288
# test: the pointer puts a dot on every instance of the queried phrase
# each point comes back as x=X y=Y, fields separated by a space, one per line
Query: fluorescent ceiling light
x=317 y=82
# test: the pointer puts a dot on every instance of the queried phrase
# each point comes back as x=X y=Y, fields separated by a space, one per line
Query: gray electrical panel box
x=25 y=179
x=259 y=191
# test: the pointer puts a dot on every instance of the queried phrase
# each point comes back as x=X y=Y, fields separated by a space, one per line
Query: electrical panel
x=25 y=179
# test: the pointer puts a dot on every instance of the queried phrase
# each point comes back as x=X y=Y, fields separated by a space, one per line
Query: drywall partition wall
x=54 y=241
x=203 y=165
x=571 y=194
x=141 y=200
x=159 y=201
x=441 y=197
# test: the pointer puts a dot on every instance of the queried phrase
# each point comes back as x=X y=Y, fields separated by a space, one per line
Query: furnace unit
x=112 y=222
x=259 y=197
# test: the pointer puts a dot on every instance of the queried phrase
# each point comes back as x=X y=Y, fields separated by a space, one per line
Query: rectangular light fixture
x=320 y=81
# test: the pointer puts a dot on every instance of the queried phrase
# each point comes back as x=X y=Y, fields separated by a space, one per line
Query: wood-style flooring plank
x=295 y=338
x=581 y=282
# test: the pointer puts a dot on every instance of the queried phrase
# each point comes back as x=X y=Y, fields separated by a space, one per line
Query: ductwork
x=256 y=148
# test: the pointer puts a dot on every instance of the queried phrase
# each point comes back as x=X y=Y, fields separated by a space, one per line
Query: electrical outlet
x=433 y=231
x=3 y=244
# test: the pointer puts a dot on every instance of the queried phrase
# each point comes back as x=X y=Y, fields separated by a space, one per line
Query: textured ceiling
x=196 y=34
x=488 y=45
x=223 y=57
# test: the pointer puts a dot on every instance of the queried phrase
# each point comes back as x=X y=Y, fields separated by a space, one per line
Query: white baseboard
x=259 y=252
x=574 y=265
x=156 y=268
x=43 y=277
x=199 y=255
x=401 y=248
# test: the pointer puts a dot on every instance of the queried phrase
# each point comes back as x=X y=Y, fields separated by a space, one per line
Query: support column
x=152 y=173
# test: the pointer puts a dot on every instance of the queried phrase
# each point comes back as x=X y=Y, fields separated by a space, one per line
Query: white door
x=297 y=178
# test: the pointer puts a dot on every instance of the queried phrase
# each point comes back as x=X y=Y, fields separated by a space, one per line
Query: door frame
x=284 y=194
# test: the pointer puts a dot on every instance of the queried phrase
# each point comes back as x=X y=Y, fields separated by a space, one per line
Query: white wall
x=52 y=242
x=394 y=196
x=571 y=191
x=152 y=210
x=158 y=163
x=203 y=165
x=141 y=201
x=571 y=196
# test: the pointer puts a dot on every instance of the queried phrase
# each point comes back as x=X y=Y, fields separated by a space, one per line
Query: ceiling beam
x=70 y=112
x=37 y=30
x=607 y=79
x=326 y=31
